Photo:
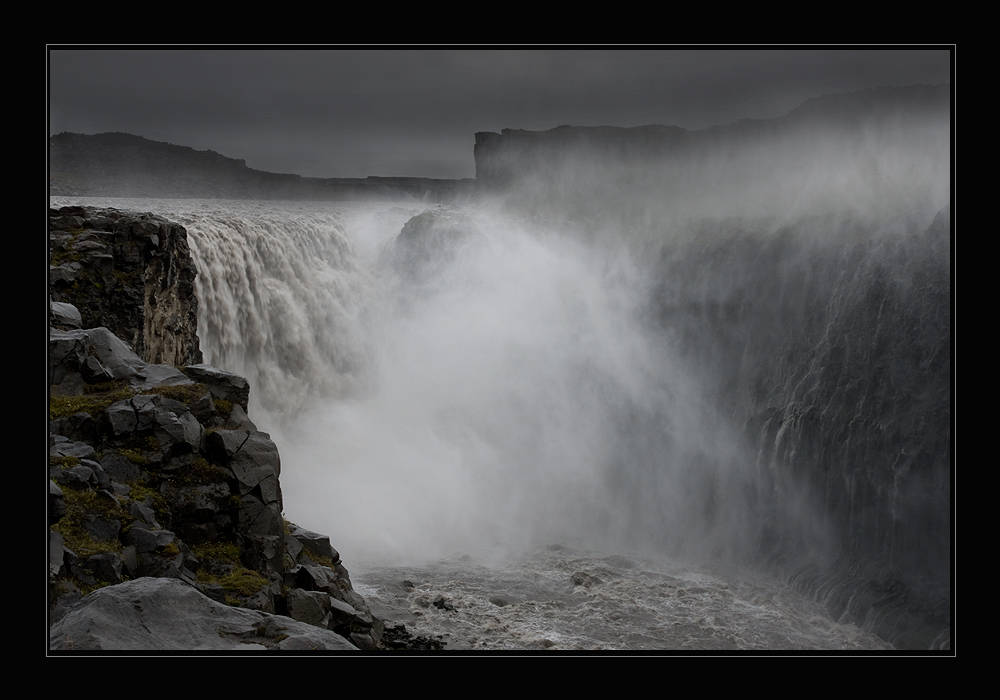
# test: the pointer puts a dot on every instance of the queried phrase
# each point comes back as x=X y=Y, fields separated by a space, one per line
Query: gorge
x=730 y=347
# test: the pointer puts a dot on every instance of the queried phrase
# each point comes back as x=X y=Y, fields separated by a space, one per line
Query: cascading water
x=503 y=393
x=284 y=299
x=735 y=391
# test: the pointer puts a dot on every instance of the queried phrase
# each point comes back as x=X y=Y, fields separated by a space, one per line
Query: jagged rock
x=143 y=514
x=137 y=491
x=314 y=607
x=349 y=611
x=146 y=540
x=64 y=316
x=103 y=529
x=397 y=637
x=428 y=243
x=57 y=504
x=313 y=577
x=156 y=614
x=66 y=448
x=169 y=421
x=254 y=461
x=119 y=467
x=56 y=553
x=259 y=518
x=79 y=477
x=201 y=513
x=130 y=272
x=152 y=376
x=106 y=567
x=101 y=480
x=223 y=385
x=79 y=427
x=316 y=544
x=91 y=356
x=265 y=552
x=239 y=420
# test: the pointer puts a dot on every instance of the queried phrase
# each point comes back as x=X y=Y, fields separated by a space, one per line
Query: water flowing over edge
x=526 y=390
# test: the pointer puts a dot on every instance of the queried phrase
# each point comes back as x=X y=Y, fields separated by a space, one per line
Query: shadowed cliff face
x=833 y=354
x=803 y=272
x=131 y=273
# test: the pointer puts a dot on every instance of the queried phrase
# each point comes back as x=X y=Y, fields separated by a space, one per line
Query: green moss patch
x=322 y=561
x=80 y=505
x=202 y=472
x=95 y=399
x=141 y=492
x=66 y=462
x=243 y=582
x=186 y=393
x=219 y=552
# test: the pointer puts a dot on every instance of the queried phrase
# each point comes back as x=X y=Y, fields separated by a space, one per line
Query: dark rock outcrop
x=157 y=472
x=850 y=410
x=159 y=479
x=163 y=614
x=131 y=273
x=428 y=244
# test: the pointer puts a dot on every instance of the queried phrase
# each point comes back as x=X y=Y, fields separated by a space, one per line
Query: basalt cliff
x=166 y=530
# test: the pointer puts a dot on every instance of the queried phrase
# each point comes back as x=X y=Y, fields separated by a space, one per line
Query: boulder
x=91 y=356
x=428 y=244
x=314 y=543
x=64 y=316
x=176 y=430
x=57 y=504
x=253 y=458
x=157 y=614
x=223 y=385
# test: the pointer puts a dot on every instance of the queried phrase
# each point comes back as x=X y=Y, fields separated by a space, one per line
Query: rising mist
x=733 y=347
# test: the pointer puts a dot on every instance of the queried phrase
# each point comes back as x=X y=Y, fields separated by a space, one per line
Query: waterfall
x=751 y=391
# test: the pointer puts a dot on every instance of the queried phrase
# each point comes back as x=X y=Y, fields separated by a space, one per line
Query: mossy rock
x=185 y=393
x=94 y=400
x=202 y=472
x=81 y=508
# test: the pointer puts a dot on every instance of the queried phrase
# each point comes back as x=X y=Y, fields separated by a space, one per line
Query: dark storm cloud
x=352 y=113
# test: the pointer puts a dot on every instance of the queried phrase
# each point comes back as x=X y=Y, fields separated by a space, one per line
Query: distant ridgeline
x=830 y=152
x=567 y=167
x=122 y=165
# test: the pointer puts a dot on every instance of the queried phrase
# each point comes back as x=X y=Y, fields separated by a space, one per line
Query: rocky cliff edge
x=165 y=511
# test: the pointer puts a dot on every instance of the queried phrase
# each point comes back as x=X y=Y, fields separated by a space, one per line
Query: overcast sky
x=415 y=112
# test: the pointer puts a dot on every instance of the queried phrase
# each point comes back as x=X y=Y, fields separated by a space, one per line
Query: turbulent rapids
x=541 y=421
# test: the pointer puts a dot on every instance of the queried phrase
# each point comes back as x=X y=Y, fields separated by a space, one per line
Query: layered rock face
x=156 y=470
x=132 y=274
x=834 y=358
